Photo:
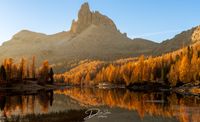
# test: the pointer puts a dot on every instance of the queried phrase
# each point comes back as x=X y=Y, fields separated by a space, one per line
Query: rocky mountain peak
x=196 y=34
x=86 y=18
x=85 y=9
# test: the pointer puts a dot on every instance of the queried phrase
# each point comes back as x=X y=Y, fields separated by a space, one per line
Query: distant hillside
x=180 y=40
x=175 y=68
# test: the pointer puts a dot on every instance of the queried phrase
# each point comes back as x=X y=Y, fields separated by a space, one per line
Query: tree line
x=175 y=68
x=22 y=71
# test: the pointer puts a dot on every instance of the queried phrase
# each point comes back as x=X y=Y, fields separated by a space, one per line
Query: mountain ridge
x=180 y=40
x=92 y=36
x=86 y=18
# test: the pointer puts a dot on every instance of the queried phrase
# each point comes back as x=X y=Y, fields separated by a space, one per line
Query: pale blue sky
x=156 y=20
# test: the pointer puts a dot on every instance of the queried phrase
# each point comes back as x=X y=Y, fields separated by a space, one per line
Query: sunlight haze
x=154 y=20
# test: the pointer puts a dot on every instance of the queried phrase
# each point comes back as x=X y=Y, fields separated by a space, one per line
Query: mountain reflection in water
x=169 y=106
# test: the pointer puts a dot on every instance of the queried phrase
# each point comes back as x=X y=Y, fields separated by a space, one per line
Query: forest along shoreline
x=186 y=89
x=177 y=71
x=25 y=77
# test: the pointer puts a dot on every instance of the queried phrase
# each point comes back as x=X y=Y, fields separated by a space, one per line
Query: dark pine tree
x=3 y=73
x=51 y=76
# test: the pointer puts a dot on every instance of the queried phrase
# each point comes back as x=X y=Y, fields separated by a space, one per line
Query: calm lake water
x=99 y=105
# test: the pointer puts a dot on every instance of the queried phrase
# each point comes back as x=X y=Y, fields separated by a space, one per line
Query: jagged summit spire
x=86 y=18
x=85 y=7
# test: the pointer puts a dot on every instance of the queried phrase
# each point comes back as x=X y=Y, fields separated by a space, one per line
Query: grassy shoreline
x=33 y=87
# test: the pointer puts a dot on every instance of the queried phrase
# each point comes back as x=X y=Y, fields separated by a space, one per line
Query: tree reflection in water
x=168 y=105
x=184 y=108
x=25 y=104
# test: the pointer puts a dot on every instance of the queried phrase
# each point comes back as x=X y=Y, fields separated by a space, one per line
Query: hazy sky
x=156 y=20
